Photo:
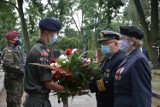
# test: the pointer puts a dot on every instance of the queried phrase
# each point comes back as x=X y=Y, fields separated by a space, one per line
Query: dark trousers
x=104 y=99
x=37 y=100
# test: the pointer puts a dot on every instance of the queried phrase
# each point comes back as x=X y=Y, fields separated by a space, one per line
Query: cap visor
x=104 y=39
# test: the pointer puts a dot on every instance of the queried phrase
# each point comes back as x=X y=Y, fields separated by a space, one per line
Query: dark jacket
x=34 y=75
x=132 y=86
x=105 y=98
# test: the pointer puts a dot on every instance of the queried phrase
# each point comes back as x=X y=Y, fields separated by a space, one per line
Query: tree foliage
x=7 y=22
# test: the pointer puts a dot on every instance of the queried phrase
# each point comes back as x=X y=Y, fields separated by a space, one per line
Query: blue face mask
x=123 y=45
x=53 y=39
x=105 y=50
x=18 y=42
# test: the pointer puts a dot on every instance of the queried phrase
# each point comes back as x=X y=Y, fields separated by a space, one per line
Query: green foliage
x=131 y=15
x=96 y=16
x=7 y=22
x=68 y=42
x=33 y=39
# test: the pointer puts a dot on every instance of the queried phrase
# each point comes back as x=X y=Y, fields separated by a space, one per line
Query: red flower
x=58 y=69
x=68 y=52
x=54 y=76
x=44 y=54
x=62 y=74
x=69 y=76
x=52 y=60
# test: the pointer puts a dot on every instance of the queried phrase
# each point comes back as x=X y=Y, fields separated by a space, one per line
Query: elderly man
x=38 y=81
x=111 y=50
x=12 y=61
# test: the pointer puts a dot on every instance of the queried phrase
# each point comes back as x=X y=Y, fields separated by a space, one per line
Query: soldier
x=12 y=60
x=132 y=86
x=38 y=81
x=104 y=87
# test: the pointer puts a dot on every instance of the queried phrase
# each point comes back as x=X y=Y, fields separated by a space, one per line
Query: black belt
x=38 y=96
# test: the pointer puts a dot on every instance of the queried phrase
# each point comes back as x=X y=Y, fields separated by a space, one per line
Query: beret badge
x=101 y=34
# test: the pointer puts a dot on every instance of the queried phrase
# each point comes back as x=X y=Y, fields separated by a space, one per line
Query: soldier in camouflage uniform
x=12 y=60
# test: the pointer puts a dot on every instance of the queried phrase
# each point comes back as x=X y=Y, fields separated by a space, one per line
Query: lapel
x=133 y=53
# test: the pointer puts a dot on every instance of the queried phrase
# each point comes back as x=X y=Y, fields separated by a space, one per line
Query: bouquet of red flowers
x=73 y=71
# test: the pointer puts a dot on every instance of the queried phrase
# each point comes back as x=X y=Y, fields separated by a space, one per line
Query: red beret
x=11 y=35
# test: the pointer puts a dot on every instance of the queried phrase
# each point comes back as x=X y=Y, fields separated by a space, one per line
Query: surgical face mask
x=17 y=42
x=53 y=39
x=123 y=45
x=105 y=50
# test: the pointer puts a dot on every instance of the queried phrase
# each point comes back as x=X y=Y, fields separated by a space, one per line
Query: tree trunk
x=24 y=25
x=142 y=21
x=148 y=37
x=154 y=28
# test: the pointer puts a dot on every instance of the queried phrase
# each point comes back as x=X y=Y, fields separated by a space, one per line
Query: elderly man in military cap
x=12 y=60
x=132 y=86
x=38 y=81
x=111 y=50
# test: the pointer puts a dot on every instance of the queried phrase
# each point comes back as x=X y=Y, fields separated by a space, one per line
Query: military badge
x=101 y=34
x=118 y=73
x=106 y=73
x=45 y=54
x=44 y=57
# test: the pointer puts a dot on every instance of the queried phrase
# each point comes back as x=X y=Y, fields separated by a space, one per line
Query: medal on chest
x=106 y=73
x=118 y=73
x=44 y=58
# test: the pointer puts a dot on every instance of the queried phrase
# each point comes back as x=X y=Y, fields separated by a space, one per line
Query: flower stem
x=65 y=102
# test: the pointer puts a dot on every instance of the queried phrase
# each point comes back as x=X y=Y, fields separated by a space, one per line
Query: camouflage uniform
x=13 y=66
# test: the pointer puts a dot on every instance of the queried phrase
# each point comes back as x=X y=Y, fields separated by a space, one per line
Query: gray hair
x=138 y=43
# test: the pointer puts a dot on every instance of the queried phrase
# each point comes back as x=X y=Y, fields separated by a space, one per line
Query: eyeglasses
x=107 y=43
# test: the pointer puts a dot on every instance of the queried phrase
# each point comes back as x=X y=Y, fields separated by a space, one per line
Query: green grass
x=156 y=79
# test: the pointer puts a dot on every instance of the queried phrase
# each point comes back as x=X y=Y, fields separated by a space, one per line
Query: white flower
x=88 y=60
x=74 y=50
x=63 y=57
x=56 y=64
x=52 y=64
x=53 y=72
x=66 y=61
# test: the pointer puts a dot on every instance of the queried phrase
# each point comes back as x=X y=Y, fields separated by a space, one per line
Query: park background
x=82 y=21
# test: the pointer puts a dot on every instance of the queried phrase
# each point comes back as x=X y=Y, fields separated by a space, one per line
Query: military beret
x=50 y=24
x=107 y=35
x=11 y=35
x=131 y=31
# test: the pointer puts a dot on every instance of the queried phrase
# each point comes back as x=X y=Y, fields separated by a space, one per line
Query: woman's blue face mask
x=124 y=45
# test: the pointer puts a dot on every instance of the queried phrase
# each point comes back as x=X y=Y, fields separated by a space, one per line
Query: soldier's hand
x=83 y=92
x=66 y=91
x=86 y=86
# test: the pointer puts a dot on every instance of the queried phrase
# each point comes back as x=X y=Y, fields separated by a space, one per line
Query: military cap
x=50 y=24
x=107 y=35
x=11 y=35
x=131 y=31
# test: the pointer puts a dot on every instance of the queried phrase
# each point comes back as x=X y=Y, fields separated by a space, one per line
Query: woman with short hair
x=132 y=86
